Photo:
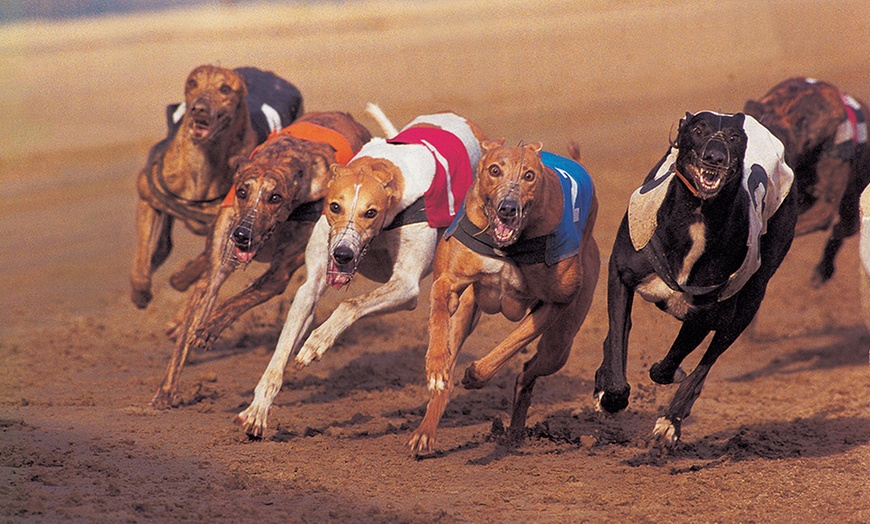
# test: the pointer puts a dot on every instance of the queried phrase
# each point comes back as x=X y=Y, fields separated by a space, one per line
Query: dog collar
x=686 y=182
x=523 y=252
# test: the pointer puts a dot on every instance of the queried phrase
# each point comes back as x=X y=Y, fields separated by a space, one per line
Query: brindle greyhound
x=522 y=247
x=276 y=198
x=825 y=135
x=188 y=173
x=701 y=239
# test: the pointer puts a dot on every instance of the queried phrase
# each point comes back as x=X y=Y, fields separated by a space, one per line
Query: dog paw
x=666 y=433
x=141 y=297
x=611 y=402
x=253 y=420
x=659 y=375
x=312 y=350
x=471 y=380
x=421 y=442
x=164 y=400
x=203 y=339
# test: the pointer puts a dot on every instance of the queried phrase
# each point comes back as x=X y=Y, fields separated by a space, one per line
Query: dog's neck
x=201 y=170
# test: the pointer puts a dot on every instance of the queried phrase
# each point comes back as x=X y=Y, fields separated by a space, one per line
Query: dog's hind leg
x=846 y=225
x=667 y=429
x=553 y=350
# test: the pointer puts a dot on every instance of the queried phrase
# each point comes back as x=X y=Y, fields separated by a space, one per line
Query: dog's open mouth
x=201 y=128
x=245 y=254
x=339 y=275
x=505 y=232
x=708 y=180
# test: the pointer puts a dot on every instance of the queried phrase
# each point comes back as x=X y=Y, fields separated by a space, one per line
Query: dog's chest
x=654 y=289
x=502 y=289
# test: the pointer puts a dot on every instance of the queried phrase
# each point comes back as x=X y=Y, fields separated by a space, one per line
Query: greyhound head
x=358 y=200
x=214 y=98
x=507 y=184
x=711 y=149
x=279 y=175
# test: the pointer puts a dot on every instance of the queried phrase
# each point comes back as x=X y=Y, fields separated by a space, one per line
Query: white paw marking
x=665 y=432
x=437 y=384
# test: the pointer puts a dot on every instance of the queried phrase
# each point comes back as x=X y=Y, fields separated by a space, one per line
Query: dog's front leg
x=199 y=306
x=288 y=257
x=453 y=314
x=299 y=319
x=414 y=252
x=530 y=327
x=611 y=387
x=153 y=244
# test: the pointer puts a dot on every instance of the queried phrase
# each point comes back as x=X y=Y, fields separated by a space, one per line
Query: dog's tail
x=375 y=112
x=574 y=150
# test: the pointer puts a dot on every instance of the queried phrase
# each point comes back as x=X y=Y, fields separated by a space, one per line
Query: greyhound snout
x=715 y=153
x=242 y=236
x=343 y=255
x=508 y=210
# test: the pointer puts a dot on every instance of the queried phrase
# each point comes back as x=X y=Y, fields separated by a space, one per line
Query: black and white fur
x=701 y=230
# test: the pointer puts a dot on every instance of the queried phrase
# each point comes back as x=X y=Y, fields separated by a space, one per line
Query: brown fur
x=283 y=173
x=187 y=174
x=805 y=116
x=548 y=301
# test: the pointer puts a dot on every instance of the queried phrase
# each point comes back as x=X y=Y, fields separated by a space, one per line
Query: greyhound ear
x=235 y=161
x=535 y=147
x=489 y=145
x=740 y=118
x=338 y=170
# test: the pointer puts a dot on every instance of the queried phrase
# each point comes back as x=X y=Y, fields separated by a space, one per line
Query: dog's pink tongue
x=336 y=278
x=502 y=232
x=244 y=256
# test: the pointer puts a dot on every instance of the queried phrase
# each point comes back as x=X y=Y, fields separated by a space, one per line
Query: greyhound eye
x=191 y=83
x=734 y=137
x=275 y=198
x=528 y=176
x=494 y=171
x=241 y=193
x=226 y=89
x=334 y=207
x=371 y=213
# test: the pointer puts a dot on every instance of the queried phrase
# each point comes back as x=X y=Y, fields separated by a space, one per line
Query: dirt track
x=781 y=432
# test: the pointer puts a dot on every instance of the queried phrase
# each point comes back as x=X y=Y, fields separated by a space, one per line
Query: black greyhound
x=701 y=239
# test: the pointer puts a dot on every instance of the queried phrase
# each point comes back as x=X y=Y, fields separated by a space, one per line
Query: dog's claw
x=421 y=443
x=253 y=421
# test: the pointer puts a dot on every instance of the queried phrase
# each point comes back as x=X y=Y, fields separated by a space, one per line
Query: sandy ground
x=781 y=432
